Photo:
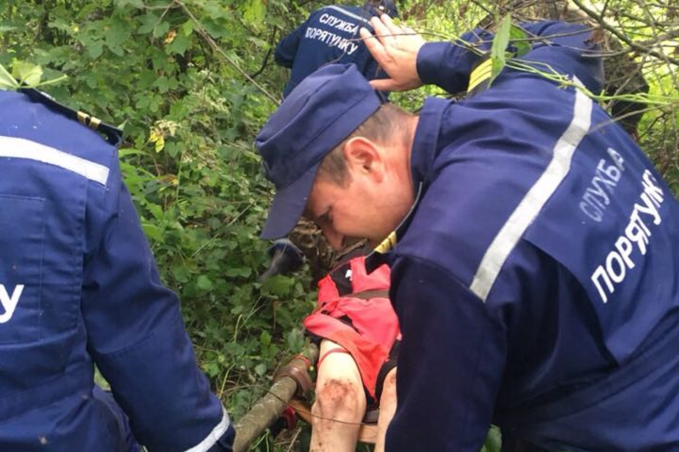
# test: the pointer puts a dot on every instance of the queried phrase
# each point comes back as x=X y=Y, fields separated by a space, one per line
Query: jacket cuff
x=220 y=439
x=447 y=65
x=429 y=60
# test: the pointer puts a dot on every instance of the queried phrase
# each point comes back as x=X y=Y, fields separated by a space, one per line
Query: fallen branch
x=269 y=408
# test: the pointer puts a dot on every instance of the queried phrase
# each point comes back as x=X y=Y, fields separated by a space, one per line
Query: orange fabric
x=374 y=325
x=360 y=281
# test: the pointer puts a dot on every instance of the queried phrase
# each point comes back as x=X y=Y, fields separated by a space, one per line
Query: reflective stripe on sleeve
x=20 y=148
x=212 y=438
x=535 y=199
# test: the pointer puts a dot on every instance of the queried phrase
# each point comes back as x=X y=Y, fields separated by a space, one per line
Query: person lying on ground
x=358 y=333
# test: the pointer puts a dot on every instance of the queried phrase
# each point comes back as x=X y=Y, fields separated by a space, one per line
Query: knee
x=337 y=396
x=389 y=387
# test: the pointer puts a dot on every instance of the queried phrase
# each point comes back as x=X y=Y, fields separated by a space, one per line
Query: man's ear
x=364 y=157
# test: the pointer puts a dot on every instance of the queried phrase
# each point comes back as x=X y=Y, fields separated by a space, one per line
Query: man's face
x=365 y=207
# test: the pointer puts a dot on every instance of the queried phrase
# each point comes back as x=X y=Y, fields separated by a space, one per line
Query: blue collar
x=424 y=150
x=425 y=143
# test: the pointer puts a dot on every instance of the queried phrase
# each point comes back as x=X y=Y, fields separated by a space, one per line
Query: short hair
x=384 y=126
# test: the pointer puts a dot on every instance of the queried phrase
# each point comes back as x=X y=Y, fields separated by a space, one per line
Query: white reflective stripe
x=21 y=148
x=535 y=199
x=216 y=433
x=348 y=13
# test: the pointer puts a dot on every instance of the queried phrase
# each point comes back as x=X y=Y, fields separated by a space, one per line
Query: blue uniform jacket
x=79 y=286
x=329 y=35
x=536 y=279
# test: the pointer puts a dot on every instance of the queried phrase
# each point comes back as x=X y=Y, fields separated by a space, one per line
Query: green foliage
x=174 y=75
x=7 y=81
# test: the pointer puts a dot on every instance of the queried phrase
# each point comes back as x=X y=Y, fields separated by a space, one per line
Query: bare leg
x=340 y=402
x=387 y=408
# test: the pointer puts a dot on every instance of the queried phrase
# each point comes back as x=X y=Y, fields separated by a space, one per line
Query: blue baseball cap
x=322 y=111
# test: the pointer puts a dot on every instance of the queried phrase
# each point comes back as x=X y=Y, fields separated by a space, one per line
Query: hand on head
x=395 y=49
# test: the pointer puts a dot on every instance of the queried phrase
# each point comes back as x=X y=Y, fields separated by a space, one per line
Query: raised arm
x=395 y=49
x=411 y=62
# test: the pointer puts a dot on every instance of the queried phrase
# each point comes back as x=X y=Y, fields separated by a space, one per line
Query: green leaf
x=295 y=339
x=518 y=38
x=161 y=29
x=261 y=43
x=232 y=272
x=211 y=369
x=27 y=73
x=7 y=82
x=135 y=3
x=179 y=45
x=148 y=22
x=260 y=369
x=117 y=33
x=278 y=285
x=245 y=272
x=156 y=211
x=95 y=49
x=254 y=12
x=153 y=232
x=265 y=338
x=204 y=283
x=181 y=273
x=187 y=28
x=126 y=152
x=162 y=84
x=173 y=149
x=493 y=441
x=499 y=48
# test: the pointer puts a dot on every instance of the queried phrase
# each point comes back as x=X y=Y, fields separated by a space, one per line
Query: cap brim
x=288 y=205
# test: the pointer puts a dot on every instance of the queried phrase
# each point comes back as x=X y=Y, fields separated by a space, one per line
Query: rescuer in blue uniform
x=330 y=35
x=79 y=286
x=534 y=248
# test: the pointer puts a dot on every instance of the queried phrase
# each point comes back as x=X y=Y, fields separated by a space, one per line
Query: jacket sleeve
x=137 y=338
x=286 y=50
x=567 y=48
x=450 y=362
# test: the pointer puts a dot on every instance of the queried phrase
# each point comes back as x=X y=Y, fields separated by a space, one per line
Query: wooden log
x=267 y=409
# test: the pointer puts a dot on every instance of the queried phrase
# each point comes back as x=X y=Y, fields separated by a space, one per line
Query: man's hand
x=395 y=50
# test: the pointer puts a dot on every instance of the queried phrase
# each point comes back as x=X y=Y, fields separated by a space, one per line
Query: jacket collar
x=424 y=150
x=425 y=143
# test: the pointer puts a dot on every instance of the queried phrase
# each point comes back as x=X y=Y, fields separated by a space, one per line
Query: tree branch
x=206 y=36
x=638 y=47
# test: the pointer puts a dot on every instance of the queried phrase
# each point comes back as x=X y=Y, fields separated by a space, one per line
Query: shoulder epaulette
x=479 y=79
x=112 y=134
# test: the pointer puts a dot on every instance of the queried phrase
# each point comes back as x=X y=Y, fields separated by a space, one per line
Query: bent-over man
x=534 y=248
